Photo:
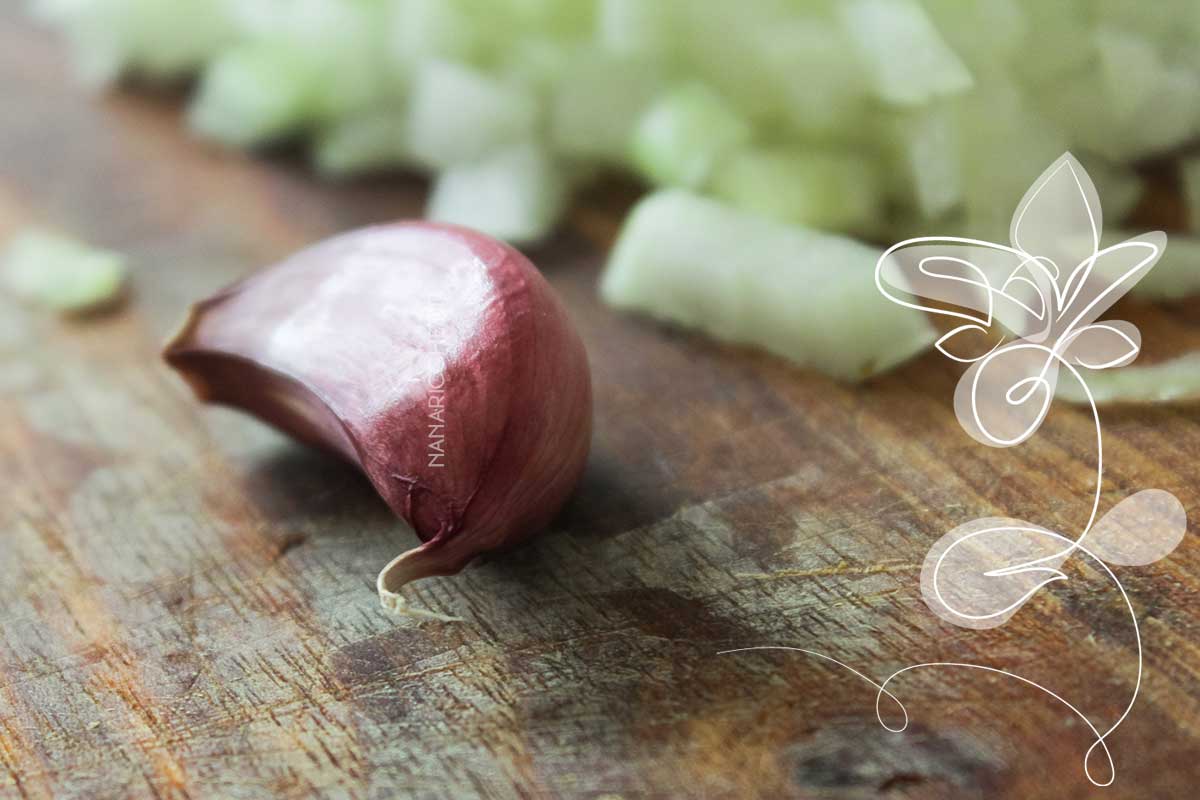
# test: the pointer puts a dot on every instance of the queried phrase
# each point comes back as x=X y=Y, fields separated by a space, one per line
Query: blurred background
x=186 y=598
x=879 y=118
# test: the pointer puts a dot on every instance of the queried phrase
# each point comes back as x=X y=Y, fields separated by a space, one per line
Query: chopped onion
x=362 y=143
x=953 y=107
x=818 y=188
x=62 y=274
x=635 y=27
x=254 y=94
x=807 y=296
x=873 y=117
x=1167 y=381
x=596 y=102
x=681 y=137
x=1176 y=274
x=909 y=62
x=929 y=142
x=515 y=195
x=458 y=114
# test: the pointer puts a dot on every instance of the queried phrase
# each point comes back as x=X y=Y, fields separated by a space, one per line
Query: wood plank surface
x=186 y=598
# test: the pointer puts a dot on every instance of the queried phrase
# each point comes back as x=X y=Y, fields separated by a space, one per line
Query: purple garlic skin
x=436 y=359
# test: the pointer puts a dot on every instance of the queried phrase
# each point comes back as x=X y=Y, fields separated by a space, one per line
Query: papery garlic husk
x=436 y=359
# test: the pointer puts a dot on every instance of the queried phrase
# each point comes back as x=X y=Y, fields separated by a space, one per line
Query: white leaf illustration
x=1003 y=398
x=1139 y=530
x=970 y=280
x=1103 y=345
x=981 y=573
x=975 y=337
x=1048 y=289
x=1106 y=277
x=1059 y=220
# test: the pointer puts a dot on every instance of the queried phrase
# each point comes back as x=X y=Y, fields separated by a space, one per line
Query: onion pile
x=869 y=117
x=877 y=120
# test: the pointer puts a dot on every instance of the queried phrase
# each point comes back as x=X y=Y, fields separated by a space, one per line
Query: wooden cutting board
x=186 y=601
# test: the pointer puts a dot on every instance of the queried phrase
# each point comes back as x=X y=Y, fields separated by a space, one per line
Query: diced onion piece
x=254 y=94
x=828 y=190
x=909 y=62
x=62 y=274
x=335 y=47
x=1174 y=114
x=1153 y=105
x=680 y=138
x=111 y=37
x=807 y=296
x=929 y=144
x=1167 y=381
x=1131 y=68
x=1057 y=40
x=732 y=48
x=538 y=64
x=1069 y=103
x=1119 y=186
x=517 y=195
x=1006 y=145
x=1165 y=22
x=987 y=34
x=805 y=72
x=1175 y=276
x=551 y=19
x=459 y=114
x=596 y=102
x=363 y=142
x=635 y=27
x=424 y=30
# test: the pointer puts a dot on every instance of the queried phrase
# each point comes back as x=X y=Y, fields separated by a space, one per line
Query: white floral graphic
x=1036 y=301
x=1045 y=291
x=1042 y=294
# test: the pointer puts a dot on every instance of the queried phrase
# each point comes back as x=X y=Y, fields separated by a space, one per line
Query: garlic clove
x=436 y=359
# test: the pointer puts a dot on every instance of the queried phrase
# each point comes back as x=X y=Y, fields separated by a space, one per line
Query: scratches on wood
x=186 y=601
x=841 y=569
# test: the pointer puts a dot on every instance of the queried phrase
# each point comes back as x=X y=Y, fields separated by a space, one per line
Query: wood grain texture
x=186 y=601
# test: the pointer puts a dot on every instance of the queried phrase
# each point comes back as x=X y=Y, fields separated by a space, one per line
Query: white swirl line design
x=980 y=573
